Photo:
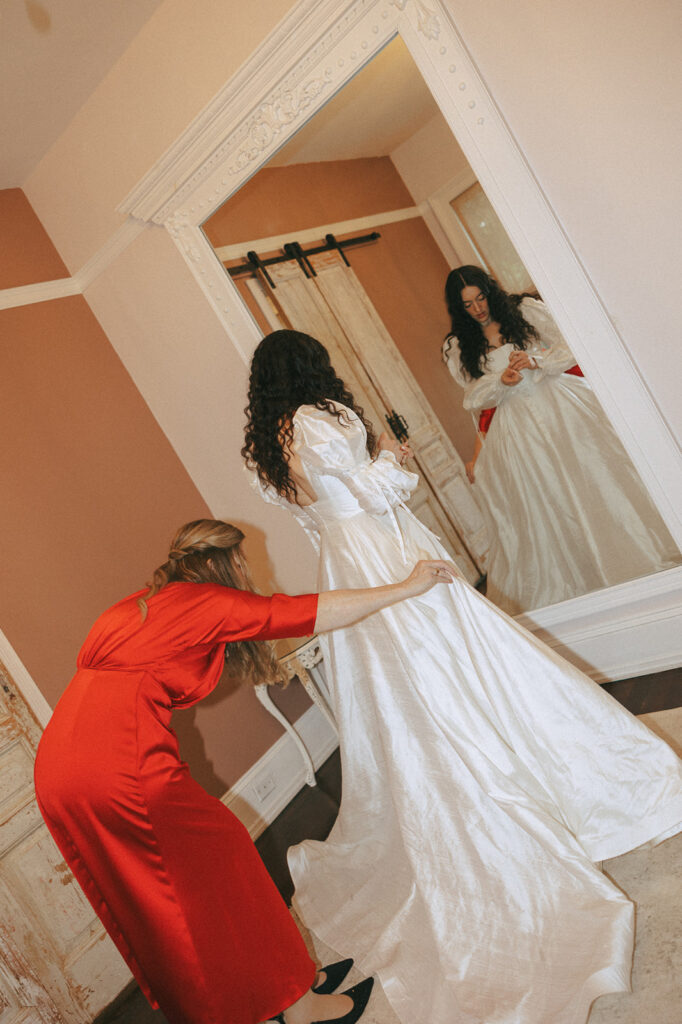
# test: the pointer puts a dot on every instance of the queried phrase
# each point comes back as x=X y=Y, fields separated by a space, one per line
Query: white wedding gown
x=566 y=510
x=482 y=778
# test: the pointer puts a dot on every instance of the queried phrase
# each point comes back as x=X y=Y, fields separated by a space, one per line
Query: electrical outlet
x=263 y=788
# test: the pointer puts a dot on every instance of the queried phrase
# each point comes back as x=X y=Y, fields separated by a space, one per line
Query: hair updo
x=209 y=551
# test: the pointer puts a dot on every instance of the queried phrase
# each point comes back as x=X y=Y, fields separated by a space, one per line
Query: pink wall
x=26 y=253
x=92 y=493
x=92 y=489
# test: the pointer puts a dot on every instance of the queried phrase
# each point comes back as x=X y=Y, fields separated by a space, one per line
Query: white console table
x=304 y=662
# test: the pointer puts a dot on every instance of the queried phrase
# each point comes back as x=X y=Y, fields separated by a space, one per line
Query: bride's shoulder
x=306 y=413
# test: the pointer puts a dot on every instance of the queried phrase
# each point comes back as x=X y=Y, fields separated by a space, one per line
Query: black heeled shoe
x=335 y=973
x=359 y=993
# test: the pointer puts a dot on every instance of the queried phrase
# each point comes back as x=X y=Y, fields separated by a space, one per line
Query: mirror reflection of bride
x=567 y=513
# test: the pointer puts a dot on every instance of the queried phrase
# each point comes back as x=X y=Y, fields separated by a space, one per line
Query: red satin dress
x=172 y=873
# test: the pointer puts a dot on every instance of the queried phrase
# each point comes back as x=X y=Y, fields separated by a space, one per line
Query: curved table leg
x=267 y=702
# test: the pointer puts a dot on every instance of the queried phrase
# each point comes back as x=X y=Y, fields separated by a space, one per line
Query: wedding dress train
x=484 y=778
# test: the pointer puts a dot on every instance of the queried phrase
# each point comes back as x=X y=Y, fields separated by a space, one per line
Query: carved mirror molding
x=318 y=47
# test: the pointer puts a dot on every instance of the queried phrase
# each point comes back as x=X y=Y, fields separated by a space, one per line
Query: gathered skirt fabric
x=483 y=779
x=566 y=510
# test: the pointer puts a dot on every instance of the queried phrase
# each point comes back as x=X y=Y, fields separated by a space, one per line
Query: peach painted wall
x=26 y=253
x=403 y=272
x=92 y=493
x=195 y=386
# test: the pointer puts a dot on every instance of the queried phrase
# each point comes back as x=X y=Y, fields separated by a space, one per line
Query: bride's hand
x=402 y=452
x=510 y=377
x=520 y=360
x=429 y=572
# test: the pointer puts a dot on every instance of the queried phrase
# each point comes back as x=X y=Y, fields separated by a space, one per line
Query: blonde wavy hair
x=209 y=551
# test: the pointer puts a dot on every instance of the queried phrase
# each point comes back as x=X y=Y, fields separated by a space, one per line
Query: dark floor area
x=312 y=812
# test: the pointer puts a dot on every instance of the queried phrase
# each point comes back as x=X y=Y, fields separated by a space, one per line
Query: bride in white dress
x=566 y=510
x=484 y=778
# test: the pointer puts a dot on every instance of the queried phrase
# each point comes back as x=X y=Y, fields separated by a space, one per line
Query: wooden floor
x=312 y=812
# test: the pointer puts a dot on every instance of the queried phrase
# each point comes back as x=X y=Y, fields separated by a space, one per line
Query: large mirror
x=349 y=234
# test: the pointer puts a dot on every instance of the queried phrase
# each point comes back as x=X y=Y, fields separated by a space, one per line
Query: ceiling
x=381 y=107
x=53 y=54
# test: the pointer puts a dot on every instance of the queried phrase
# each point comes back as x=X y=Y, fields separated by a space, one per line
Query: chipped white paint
x=55 y=958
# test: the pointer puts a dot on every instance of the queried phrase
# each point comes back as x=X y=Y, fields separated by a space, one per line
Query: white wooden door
x=57 y=964
x=334 y=308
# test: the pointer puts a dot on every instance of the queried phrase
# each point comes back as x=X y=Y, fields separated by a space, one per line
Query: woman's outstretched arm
x=338 y=608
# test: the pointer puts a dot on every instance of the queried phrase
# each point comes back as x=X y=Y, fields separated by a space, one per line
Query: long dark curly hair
x=289 y=369
x=504 y=309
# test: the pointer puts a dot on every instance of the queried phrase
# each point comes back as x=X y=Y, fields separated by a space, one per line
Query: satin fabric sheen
x=566 y=510
x=483 y=777
x=171 y=872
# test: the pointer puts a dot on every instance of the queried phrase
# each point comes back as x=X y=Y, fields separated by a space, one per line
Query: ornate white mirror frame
x=629 y=629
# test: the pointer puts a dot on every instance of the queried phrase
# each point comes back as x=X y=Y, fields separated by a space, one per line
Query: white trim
x=619 y=633
x=281 y=763
x=342 y=227
x=22 y=677
x=236 y=122
x=43 y=291
x=448 y=220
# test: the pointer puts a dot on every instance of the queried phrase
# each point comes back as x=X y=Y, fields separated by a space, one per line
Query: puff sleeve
x=326 y=446
x=484 y=392
x=552 y=355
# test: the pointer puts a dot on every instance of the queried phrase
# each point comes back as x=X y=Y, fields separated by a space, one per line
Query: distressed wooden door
x=57 y=964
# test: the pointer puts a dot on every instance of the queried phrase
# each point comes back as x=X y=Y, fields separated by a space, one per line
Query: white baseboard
x=619 y=633
x=280 y=773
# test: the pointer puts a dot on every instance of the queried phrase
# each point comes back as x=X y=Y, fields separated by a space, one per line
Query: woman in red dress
x=170 y=871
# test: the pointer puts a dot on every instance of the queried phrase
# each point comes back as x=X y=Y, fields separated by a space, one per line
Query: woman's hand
x=469 y=466
x=520 y=360
x=429 y=572
x=339 y=608
x=510 y=377
x=402 y=452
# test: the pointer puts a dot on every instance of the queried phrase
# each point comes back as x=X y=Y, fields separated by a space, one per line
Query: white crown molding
x=221 y=129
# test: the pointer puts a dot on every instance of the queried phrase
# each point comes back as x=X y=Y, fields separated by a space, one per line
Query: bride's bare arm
x=338 y=608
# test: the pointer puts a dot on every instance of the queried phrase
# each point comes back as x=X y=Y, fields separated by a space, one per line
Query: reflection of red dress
x=170 y=871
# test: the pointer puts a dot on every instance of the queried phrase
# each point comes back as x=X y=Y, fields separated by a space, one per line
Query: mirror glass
x=349 y=234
